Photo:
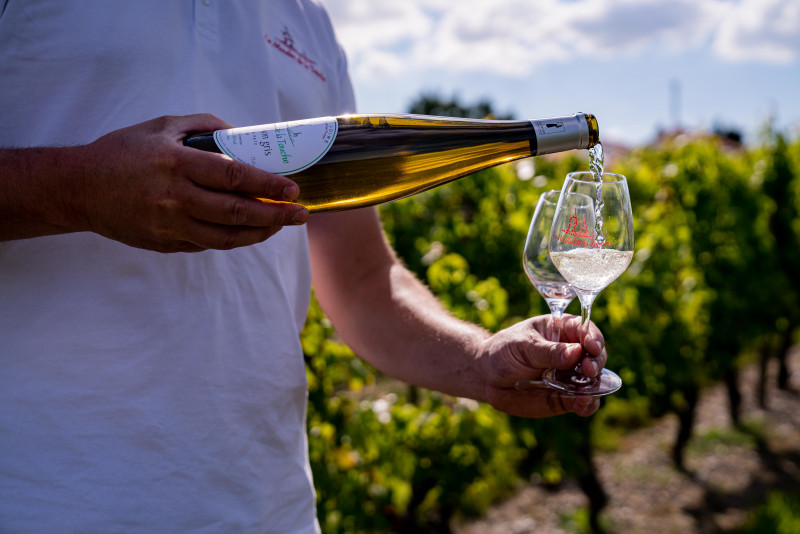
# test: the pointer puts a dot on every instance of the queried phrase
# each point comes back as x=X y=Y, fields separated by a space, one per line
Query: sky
x=640 y=66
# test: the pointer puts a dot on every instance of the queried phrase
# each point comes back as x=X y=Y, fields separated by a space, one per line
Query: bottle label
x=281 y=148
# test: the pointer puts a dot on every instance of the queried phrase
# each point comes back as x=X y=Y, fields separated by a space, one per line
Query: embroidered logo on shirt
x=285 y=45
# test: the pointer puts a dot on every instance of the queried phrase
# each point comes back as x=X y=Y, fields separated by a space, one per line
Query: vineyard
x=712 y=289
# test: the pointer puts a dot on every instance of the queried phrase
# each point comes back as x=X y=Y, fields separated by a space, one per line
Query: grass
x=779 y=515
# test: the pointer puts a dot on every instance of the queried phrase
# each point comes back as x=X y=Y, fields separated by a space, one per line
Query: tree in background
x=433 y=104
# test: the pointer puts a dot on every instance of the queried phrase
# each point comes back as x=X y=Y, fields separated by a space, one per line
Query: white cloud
x=509 y=38
x=364 y=26
x=631 y=26
x=512 y=37
x=760 y=30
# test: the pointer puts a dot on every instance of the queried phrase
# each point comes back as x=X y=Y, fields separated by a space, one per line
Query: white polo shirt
x=147 y=392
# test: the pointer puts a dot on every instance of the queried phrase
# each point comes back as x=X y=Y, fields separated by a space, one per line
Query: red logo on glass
x=577 y=233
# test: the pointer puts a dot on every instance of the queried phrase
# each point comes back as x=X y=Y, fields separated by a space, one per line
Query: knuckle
x=167 y=204
x=280 y=215
x=165 y=160
x=238 y=213
x=236 y=176
x=160 y=123
x=157 y=124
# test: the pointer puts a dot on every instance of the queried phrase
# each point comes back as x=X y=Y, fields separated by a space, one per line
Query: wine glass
x=544 y=276
x=590 y=246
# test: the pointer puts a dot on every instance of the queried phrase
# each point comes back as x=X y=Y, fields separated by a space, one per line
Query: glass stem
x=555 y=327
x=586 y=312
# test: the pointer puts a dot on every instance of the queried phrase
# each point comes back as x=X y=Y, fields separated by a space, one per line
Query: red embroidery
x=285 y=45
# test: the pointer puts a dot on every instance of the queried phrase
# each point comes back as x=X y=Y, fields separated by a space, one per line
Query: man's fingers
x=566 y=356
x=202 y=122
x=533 y=351
x=592 y=365
x=238 y=210
x=552 y=355
x=579 y=344
x=587 y=334
x=583 y=405
x=220 y=173
x=183 y=126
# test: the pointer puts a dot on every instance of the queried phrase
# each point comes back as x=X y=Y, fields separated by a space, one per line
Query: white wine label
x=281 y=148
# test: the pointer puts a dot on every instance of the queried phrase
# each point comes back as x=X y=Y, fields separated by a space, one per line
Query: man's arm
x=392 y=320
x=140 y=186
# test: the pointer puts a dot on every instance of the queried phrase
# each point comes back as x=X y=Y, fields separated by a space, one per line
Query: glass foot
x=573 y=382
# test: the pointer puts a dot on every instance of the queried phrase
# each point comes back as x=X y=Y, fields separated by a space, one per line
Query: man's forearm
x=384 y=313
x=38 y=188
x=413 y=338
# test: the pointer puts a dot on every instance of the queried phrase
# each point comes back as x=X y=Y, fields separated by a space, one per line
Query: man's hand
x=140 y=186
x=522 y=352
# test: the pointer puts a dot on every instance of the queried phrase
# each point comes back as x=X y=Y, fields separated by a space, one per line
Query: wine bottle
x=351 y=161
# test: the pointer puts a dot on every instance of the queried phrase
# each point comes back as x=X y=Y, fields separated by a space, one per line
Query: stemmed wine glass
x=590 y=246
x=544 y=276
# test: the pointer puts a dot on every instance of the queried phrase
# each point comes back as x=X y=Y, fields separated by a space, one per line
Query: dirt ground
x=729 y=472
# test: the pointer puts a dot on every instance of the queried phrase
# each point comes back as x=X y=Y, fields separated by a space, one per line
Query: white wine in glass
x=590 y=247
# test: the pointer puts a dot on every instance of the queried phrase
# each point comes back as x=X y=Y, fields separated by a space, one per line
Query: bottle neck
x=559 y=134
